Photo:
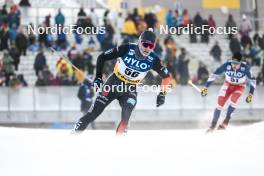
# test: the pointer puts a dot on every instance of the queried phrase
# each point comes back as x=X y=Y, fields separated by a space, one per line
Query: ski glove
x=204 y=91
x=161 y=99
x=249 y=98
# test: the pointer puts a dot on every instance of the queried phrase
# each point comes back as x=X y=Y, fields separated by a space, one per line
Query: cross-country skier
x=237 y=75
x=134 y=61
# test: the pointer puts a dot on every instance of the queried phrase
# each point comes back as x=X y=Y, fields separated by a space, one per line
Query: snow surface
x=238 y=151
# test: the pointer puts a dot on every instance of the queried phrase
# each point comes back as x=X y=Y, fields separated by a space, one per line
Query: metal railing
x=49 y=104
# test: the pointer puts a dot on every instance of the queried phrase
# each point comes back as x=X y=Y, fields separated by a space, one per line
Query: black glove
x=97 y=83
x=204 y=92
x=161 y=99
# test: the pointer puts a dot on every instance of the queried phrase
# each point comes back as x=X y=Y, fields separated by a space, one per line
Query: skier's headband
x=235 y=62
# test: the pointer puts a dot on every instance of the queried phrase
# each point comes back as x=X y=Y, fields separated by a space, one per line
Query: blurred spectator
x=88 y=59
x=182 y=66
x=3 y=15
x=49 y=40
x=179 y=7
x=15 y=54
x=8 y=67
x=62 y=42
x=193 y=36
x=46 y=78
x=14 y=82
x=22 y=80
x=47 y=20
x=45 y=75
x=185 y=18
x=169 y=18
x=59 y=18
x=81 y=13
x=106 y=17
x=246 y=41
x=94 y=17
x=211 y=22
x=40 y=62
x=205 y=35
x=260 y=77
x=129 y=27
x=81 y=17
x=24 y=3
x=107 y=43
x=135 y=16
x=158 y=48
x=64 y=72
x=42 y=37
x=119 y=22
x=234 y=45
x=256 y=54
x=79 y=61
x=85 y=95
x=170 y=57
x=203 y=73
x=230 y=23
x=88 y=22
x=4 y=38
x=198 y=20
x=258 y=40
x=24 y=6
x=151 y=20
x=31 y=36
x=72 y=53
x=32 y=43
x=12 y=34
x=245 y=26
x=65 y=75
x=177 y=19
x=216 y=52
x=53 y=81
x=17 y=81
x=2 y=73
x=40 y=80
x=141 y=26
x=21 y=42
x=14 y=16
x=78 y=38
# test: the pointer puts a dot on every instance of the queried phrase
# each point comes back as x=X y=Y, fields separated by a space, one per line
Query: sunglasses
x=148 y=45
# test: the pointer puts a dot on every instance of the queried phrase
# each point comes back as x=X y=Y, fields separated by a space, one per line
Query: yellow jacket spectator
x=63 y=68
x=129 y=27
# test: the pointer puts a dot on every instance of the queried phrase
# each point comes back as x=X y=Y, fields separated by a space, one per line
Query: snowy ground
x=238 y=151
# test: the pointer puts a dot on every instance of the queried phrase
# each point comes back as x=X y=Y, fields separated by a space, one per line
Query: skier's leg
x=222 y=98
x=95 y=110
x=231 y=108
x=128 y=102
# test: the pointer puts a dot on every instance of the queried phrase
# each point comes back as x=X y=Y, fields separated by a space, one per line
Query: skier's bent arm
x=212 y=78
x=109 y=55
x=164 y=74
x=216 y=73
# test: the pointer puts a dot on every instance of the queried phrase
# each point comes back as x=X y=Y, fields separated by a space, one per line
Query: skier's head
x=147 y=42
x=236 y=60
